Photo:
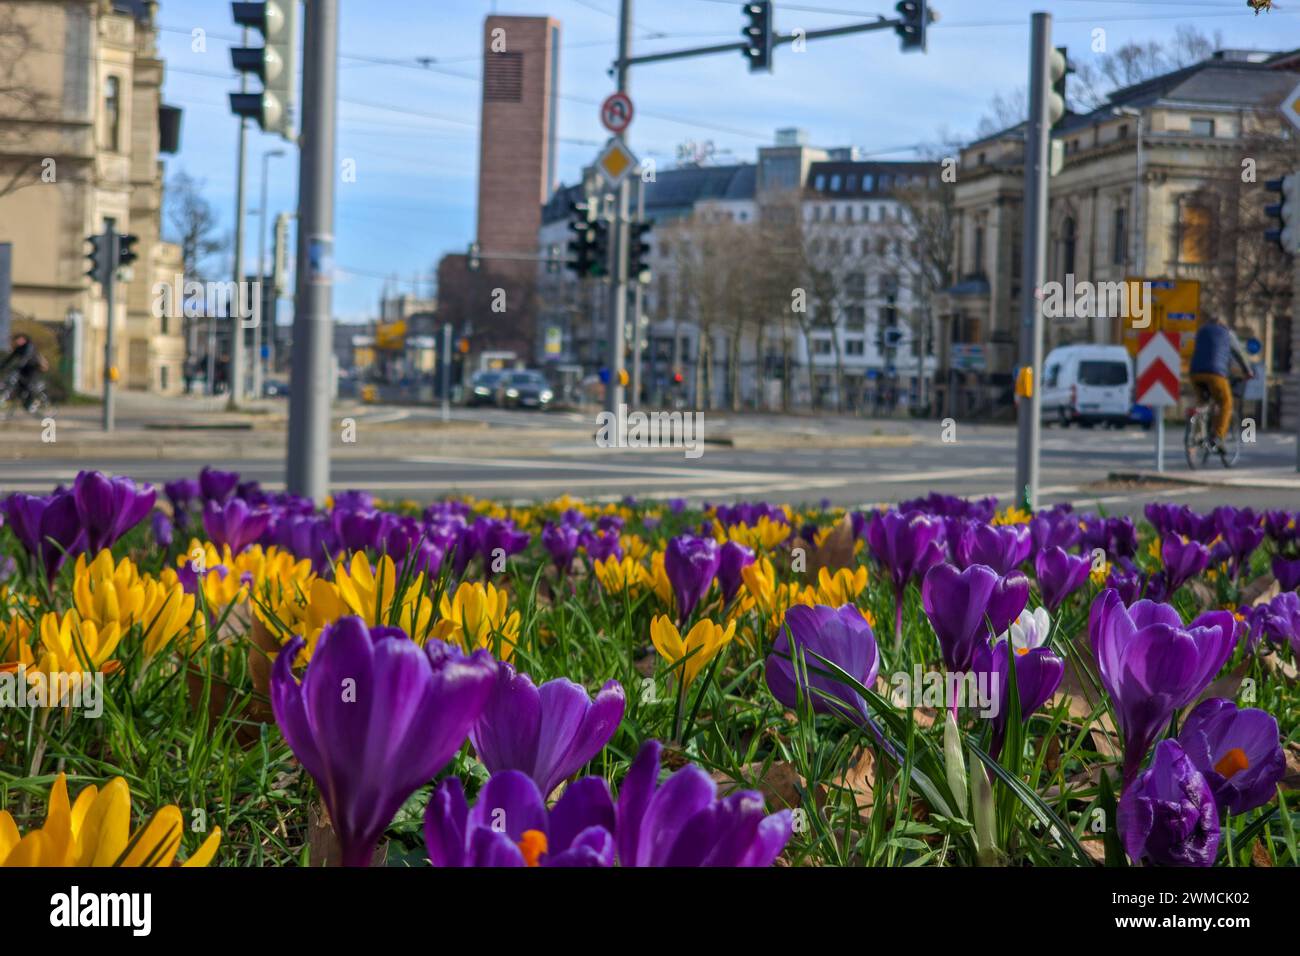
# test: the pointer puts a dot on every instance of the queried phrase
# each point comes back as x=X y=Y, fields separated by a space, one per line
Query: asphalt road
x=501 y=462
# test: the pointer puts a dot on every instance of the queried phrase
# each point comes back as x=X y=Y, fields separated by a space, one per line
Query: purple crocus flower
x=1278 y=620
x=1059 y=575
x=1151 y=664
x=733 y=557
x=234 y=524
x=1183 y=560
x=1237 y=750
x=374 y=719
x=691 y=565
x=841 y=636
x=1129 y=582
x=561 y=541
x=1282 y=526
x=109 y=507
x=1286 y=572
x=1001 y=547
x=966 y=608
x=547 y=732
x=683 y=823
x=47 y=527
x=1167 y=815
x=509 y=824
x=497 y=540
x=217 y=485
x=161 y=525
x=909 y=546
x=1056 y=528
x=181 y=493
x=1038 y=673
x=602 y=545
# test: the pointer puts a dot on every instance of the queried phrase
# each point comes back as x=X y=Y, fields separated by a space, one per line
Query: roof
x=674 y=191
x=862 y=178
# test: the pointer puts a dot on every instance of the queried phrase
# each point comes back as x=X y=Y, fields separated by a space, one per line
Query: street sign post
x=1175 y=307
x=616 y=113
x=616 y=161
x=1158 y=377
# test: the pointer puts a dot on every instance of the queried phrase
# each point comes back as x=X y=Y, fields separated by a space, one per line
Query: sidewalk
x=1263 y=479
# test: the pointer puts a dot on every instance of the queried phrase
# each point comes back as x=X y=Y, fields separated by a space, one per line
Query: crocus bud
x=954 y=761
x=985 y=813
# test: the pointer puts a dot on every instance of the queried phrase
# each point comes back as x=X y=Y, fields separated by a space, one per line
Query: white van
x=1088 y=384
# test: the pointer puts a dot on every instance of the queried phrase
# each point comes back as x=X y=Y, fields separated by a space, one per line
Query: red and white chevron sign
x=1158 y=365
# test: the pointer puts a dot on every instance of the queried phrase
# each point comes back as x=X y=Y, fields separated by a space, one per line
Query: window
x=836 y=182
x=1119 y=237
x=830 y=213
x=816 y=247
x=1052 y=375
x=855 y=347
x=886 y=183
x=851 y=183
x=112 y=113
x=868 y=182
x=819 y=183
x=1103 y=373
x=821 y=346
x=1068 y=245
x=1202 y=127
x=163 y=329
x=1195 y=224
x=980 y=160
x=832 y=247
x=856 y=285
x=817 y=213
x=882 y=246
x=1123 y=131
x=977 y=264
x=164 y=375
x=848 y=213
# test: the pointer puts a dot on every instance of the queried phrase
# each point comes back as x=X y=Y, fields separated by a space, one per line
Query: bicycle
x=1198 y=438
x=36 y=403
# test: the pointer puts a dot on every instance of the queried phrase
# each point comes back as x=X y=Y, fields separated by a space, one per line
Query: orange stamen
x=1233 y=762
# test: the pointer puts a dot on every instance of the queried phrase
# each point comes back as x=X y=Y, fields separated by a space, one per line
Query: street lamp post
x=258 y=366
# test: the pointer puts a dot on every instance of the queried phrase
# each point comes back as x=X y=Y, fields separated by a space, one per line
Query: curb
x=1228 y=479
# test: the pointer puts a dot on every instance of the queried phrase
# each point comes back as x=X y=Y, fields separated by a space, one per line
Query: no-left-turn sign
x=616 y=113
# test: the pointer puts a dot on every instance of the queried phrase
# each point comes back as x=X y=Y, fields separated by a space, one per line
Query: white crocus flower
x=1028 y=631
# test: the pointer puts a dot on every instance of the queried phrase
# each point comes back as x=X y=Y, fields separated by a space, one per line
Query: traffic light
x=126 y=253
x=916 y=18
x=1286 y=213
x=102 y=254
x=274 y=63
x=1059 y=64
x=589 y=247
x=473 y=258
x=638 y=265
x=759 y=36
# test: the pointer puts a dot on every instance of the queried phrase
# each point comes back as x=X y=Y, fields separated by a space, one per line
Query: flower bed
x=227 y=676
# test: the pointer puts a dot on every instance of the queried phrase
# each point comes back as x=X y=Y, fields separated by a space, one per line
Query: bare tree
x=191 y=223
x=22 y=103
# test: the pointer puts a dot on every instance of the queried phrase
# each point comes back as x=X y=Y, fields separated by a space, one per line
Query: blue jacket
x=1216 y=348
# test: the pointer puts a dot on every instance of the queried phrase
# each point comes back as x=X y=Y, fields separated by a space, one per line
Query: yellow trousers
x=1221 y=392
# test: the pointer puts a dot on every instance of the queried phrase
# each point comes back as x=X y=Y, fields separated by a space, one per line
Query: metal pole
x=1160 y=438
x=307 y=467
x=638 y=304
x=237 y=321
x=110 y=346
x=1038 y=138
x=258 y=374
x=446 y=372
x=618 y=238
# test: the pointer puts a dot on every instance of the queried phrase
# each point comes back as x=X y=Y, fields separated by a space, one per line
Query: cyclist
x=27 y=363
x=1216 y=349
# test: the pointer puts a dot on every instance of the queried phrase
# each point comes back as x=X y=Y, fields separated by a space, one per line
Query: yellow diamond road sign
x=1291 y=107
x=616 y=161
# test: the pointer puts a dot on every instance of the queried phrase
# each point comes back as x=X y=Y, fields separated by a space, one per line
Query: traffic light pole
x=237 y=321
x=618 y=244
x=109 y=409
x=308 y=465
x=1037 y=148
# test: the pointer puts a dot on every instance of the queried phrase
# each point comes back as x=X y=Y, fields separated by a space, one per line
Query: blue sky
x=413 y=131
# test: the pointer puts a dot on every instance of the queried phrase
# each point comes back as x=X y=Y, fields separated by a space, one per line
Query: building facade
x=1165 y=181
x=83 y=147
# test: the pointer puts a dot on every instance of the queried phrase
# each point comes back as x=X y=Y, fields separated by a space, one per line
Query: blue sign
x=1254 y=346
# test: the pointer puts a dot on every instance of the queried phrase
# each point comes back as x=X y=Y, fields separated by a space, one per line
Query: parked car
x=525 y=389
x=483 y=388
x=1088 y=385
x=275 y=388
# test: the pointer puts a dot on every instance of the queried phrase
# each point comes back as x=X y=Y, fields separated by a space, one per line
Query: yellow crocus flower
x=71 y=639
x=659 y=582
x=702 y=644
x=620 y=575
x=476 y=616
x=15 y=643
x=634 y=547
x=841 y=588
x=96 y=831
x=369 y=593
